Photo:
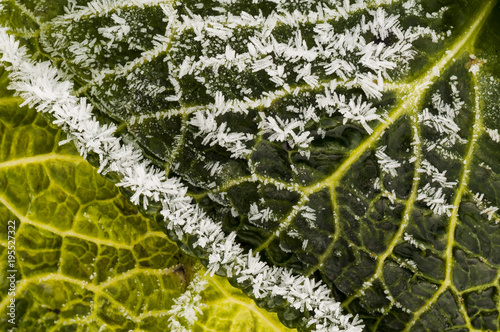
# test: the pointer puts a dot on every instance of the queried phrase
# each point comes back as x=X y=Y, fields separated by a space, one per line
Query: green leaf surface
x=397 y=209
x=229 y=309
x=85 y=259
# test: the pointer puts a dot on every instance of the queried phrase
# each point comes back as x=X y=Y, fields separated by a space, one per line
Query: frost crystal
x=40 y=85
x=186 y=308
x=387 y=164
x=318 y=125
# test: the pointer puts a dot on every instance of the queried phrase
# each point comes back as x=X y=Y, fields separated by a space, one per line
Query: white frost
x=40 y=85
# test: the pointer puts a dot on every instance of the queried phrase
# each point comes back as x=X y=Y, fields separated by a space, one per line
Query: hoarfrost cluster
x=301 y=74
x=40 y=85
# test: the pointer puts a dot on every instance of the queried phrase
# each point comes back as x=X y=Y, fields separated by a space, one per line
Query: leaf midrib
x=416 y=92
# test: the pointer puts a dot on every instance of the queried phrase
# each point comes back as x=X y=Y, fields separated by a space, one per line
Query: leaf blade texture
x=352 y=141
x=84 y=256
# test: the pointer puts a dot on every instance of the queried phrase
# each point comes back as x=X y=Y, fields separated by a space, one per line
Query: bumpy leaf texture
x=85 y=258
x=356 y=141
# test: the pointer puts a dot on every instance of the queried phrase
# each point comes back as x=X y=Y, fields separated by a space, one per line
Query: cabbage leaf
x=355 y=142
x=85 y=258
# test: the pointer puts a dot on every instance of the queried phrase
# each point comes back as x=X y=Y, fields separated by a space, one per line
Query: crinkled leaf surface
x=229 y=309
x=356 y=141
x=85 y=257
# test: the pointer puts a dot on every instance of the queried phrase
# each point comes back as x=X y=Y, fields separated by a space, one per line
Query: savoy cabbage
x=354 y=143
x=85 y=258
